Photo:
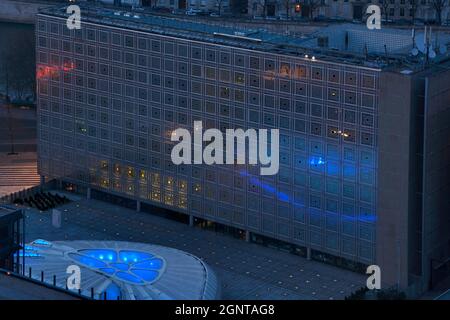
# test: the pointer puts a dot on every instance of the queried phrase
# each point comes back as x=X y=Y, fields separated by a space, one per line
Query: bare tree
x=438 y=6
x=414 y=5
x=219 y=5
x=287 y=5
x=385 y=8
x=262 y=4
x=150 y=3
x=313 y=5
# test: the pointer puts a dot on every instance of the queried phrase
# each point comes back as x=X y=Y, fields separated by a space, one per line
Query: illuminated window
x=297 y=8
x=197 y=188
x=104 y=183
x=130 y=189
x=156 y=195
x=168 y=199
x=142 y=174
x=169 y=182
x=116 y=168
x=130 y=172
x=182 y=186
x=182 y=202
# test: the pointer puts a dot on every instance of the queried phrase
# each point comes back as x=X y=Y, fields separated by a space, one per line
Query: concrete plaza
x=246 y=270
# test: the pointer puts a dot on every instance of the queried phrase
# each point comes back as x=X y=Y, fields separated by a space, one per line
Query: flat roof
x=374 y=49
x=8 y=213
x=251 y=39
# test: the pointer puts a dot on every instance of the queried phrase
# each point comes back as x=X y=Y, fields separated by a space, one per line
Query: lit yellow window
x=130 y=172
x=104 y=183
x=182 y=202
x=168 y=199
x=182 y=186
x=156 y=195
x=169 y=182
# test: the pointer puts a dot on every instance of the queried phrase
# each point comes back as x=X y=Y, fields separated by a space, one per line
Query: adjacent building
x=364 y=133
x=392 y=10
x=11 y=238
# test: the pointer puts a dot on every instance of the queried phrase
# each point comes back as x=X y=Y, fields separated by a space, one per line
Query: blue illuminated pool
x=130 y=266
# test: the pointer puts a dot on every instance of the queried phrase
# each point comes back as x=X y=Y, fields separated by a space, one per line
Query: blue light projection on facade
x=125 y=265
x=316 y=163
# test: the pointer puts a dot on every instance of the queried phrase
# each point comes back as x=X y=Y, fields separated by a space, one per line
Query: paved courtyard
x=246 y=270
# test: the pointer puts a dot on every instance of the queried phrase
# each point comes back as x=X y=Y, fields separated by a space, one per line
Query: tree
x=313 y=5
x=150 y=3
x=385 y=7
x=414 y=4
x=287 y=5
x=263 y=4
x=438 y=6
x=219 y=5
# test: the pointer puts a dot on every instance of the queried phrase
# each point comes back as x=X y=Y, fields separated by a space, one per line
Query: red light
x=46 y=71
x=68 y=66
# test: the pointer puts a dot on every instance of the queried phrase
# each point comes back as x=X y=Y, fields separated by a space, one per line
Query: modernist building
x=364 y=133
x=113 y=270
